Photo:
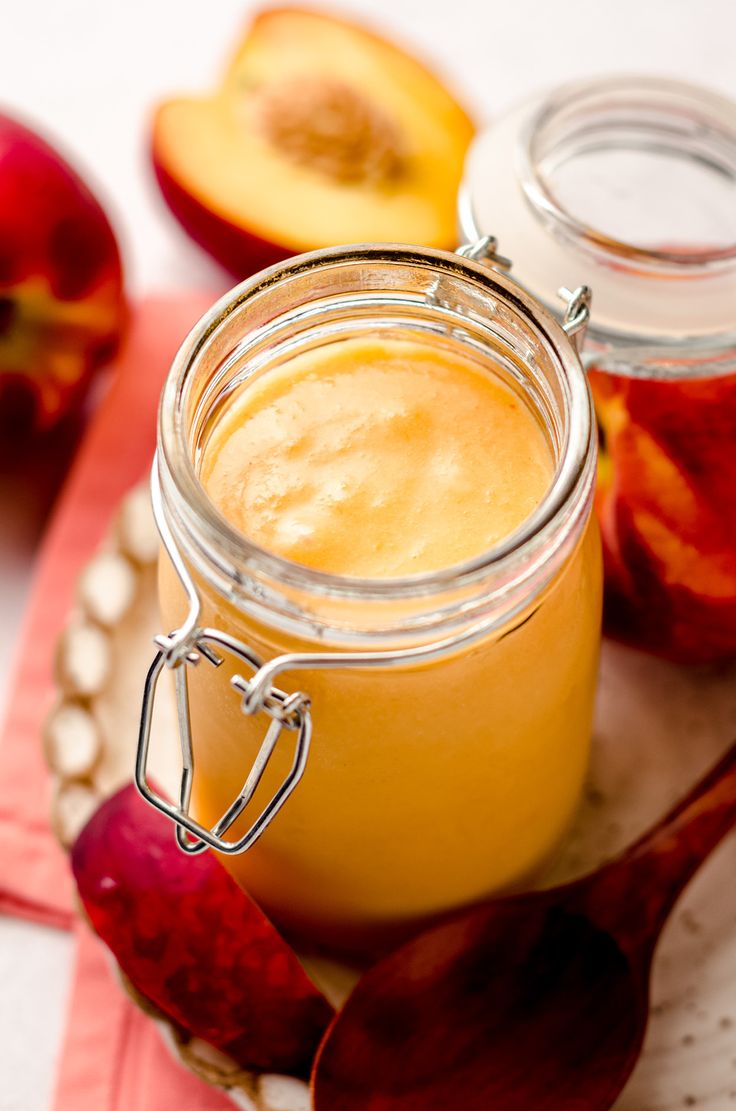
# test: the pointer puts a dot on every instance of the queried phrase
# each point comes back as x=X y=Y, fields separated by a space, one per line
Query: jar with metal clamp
x=368 y=754
x=631 y=183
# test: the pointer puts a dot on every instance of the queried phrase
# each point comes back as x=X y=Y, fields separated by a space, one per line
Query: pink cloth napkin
x=113 y=1056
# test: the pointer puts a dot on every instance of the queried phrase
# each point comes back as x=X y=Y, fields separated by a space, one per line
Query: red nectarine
x=61 y=285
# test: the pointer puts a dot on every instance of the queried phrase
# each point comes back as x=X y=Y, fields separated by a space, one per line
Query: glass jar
x=428 y=738
x=630 y=184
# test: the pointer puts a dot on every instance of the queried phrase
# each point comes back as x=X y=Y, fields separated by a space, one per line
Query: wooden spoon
x=534 y=1001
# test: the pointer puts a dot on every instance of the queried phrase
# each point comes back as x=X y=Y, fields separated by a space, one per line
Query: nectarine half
x=321 y=133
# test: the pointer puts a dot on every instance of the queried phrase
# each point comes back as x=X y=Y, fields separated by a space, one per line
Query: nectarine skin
x=62 y=307
x=666 y=502
x=240 y=251
x=193 y=943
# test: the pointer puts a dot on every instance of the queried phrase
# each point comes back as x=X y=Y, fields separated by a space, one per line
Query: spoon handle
x=634 y=894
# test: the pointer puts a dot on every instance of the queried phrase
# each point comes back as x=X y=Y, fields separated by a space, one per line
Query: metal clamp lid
x=185 y=648
x=577 y=311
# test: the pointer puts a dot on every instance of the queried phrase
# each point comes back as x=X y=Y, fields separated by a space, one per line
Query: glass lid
x=624 y=184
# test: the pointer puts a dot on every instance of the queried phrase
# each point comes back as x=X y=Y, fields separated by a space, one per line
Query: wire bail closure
x=191 y=644
x=185 y=648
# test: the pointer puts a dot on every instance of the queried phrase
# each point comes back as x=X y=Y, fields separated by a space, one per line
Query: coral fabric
x=120 y=1062
x=115 y=454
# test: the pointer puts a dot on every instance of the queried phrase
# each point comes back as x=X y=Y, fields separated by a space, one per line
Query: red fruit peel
x=62 y=308
x=193 y=943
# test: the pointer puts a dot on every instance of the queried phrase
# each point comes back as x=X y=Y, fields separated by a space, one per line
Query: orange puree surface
x=378 y=459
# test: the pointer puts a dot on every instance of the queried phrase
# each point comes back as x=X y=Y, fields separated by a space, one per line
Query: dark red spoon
x=536 y=1001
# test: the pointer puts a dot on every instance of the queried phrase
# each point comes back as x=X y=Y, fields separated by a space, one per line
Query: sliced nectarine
x=62 y=307
x=193 y=943
x=666 y=502
x=321 y=134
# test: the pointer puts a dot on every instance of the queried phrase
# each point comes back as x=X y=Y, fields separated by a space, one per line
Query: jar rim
x=177 y=469
x=665 y=94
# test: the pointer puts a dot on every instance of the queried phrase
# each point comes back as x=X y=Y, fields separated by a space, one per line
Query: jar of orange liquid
x=630 y=184
x=374 y=484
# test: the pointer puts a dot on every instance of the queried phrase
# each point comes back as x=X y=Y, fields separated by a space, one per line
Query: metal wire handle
x=186 y=647
x=190 y=644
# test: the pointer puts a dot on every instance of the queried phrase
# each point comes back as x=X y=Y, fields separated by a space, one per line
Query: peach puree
x=428 y=786
x=377 y=459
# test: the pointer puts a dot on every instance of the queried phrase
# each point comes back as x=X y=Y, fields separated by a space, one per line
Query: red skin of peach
x=193 y=943
x=240 y=251
x=666 y=502
x=62 y=307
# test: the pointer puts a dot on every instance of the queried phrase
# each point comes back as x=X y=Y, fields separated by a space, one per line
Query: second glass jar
x=630 y=184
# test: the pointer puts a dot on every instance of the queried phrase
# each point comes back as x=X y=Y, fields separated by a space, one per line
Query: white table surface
x=88 y=71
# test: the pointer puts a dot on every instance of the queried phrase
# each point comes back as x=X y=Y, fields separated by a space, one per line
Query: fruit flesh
x=321 y=134
x=666 y=500
x=427 y=787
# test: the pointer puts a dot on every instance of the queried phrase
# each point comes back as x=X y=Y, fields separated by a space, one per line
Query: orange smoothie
x=432 y=785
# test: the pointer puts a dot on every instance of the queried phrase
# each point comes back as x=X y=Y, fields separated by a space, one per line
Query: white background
x=88 y=73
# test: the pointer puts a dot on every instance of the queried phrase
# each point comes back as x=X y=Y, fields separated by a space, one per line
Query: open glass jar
x=630 y=183
x=426 y=737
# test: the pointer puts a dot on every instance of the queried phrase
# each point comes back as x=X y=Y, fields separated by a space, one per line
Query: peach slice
x=322 y=133
x=666 y=502
x=193 y=943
